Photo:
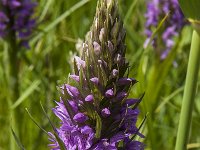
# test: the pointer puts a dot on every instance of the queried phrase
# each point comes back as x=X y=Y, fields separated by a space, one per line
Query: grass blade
x=17 y=140
x=157 y=30
x=35 y=121
x=45 y=9
x=60 y=142
x=129 y=13
x=59 y=19
x=27 y=93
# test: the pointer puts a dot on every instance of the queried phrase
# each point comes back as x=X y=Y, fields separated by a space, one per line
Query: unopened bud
x=118 y=58
x=101 y=35
x=110 y=46
x=115 y=72
x=97 y=48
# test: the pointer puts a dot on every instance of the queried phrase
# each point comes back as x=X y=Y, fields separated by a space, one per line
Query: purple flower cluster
x=94 y=109
x=16 y=19
x=156 y=10
x=72 y=134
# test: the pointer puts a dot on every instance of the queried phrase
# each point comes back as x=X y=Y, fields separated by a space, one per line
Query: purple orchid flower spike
x=16 y=20
x=156 y=10
x=95 y=110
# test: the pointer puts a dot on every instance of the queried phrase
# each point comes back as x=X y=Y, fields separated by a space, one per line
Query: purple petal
x=115 y=72
x=89 y=98
x=109 y=93
x=101 y=35
x=95 y=80
x=97 y=48
x=80 y=118
x=75 y=77
x=126 y=81
x=72 y=91
x=110 y=46
x=120 y=96
x=131 y=102
x=80 y=63
x=86 y=130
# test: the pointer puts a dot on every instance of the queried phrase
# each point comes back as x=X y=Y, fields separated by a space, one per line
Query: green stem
x=13 y=84
x=189 y=93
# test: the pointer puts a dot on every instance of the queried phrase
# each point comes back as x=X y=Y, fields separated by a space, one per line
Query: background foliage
x=48 y=63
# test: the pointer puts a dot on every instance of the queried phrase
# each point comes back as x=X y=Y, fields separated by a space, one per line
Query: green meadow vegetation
x=60 y=31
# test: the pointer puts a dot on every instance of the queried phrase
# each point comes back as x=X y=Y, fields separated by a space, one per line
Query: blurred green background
x=61 y=27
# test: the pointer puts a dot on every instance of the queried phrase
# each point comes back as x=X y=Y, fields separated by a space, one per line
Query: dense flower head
x=156 y=11
x=16 y=19
x=94 y=107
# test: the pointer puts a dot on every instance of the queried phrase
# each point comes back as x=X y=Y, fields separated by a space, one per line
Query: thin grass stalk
x=189 y=93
